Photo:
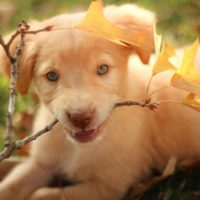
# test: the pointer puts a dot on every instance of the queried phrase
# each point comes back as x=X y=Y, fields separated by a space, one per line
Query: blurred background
x=177 y=19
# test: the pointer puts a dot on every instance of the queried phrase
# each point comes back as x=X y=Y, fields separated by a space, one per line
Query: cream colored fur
x=131 y=140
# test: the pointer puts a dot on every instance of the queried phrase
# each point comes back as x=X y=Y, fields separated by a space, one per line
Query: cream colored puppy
x=103 y=151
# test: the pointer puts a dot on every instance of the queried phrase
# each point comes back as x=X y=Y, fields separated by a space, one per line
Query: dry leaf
x=162 y=58
x=192 y=102
x=163 y=63
x=96 y=23
x=187 y=77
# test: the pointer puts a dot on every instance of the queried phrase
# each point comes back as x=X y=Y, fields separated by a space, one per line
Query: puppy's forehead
x=77 y=42
x=78 y=50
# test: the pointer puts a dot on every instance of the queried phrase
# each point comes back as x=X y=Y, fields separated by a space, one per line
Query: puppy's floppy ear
x=26 y=61
x=132 y=18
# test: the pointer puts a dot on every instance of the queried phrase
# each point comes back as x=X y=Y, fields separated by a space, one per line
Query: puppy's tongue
x=85 y=136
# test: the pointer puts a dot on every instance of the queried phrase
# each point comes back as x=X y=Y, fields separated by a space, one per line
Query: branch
x=47 y=28
x=148 y=87
x=19 y=144
x=23 y=29
x=14 y=60
x=145 y=103
x=6 y=47
x=10 y=144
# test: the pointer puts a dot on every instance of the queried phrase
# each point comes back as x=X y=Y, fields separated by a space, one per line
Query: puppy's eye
x=102 y=69
x=52 y=76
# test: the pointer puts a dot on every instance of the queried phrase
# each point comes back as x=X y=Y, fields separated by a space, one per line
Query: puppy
x=79 y=77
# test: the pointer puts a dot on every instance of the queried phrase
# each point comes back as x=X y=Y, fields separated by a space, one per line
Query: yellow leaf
x=192 y=102
x=187 y=77
x=96 y=22
x=162 y=62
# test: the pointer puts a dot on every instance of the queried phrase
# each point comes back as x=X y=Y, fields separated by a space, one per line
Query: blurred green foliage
x=3 y=98
x=179 y=20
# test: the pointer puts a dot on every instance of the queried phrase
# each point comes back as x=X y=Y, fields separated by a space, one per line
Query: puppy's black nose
x=80 y=119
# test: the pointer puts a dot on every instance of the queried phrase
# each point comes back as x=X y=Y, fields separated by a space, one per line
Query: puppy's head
x=78 y=75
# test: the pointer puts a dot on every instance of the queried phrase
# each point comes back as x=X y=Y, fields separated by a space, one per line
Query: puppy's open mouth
x=85 y=136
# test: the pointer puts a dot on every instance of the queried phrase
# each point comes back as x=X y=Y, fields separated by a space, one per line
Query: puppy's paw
x=48 y=194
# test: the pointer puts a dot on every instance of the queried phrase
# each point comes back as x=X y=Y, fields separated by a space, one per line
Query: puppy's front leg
x=23 y=180
x=83 y=191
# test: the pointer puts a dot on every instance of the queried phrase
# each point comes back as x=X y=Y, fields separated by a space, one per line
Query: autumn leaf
x=192 y=102
x=187 y=77
x=96 y=22
x=162 y=62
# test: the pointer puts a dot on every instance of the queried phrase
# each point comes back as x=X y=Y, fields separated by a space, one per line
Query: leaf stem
x=158 y=90
x=170 y=101
x=148 y=87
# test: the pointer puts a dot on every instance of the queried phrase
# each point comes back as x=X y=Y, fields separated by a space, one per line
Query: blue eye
x=52 y=76
x=102 y=69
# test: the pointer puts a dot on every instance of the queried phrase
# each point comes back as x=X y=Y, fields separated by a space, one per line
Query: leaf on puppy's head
x=96 y=22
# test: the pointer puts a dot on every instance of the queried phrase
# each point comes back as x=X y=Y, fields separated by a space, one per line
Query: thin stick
x=19 y=144
x=6 y=48
x=145 y=103
x=10 y=144
x=148 y=103
x=148 y=87
x=158 y=90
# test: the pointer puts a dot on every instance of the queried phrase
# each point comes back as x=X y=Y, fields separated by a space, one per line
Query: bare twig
x=5 y=47
x=145 y=103
x=26 y=30
x=47 y=28
x=14 y=60
x=158 y=90
x=148 y=87
x=21 y=143
x=10 y=144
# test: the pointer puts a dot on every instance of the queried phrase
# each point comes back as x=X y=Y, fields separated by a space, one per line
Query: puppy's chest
x=79 y=165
